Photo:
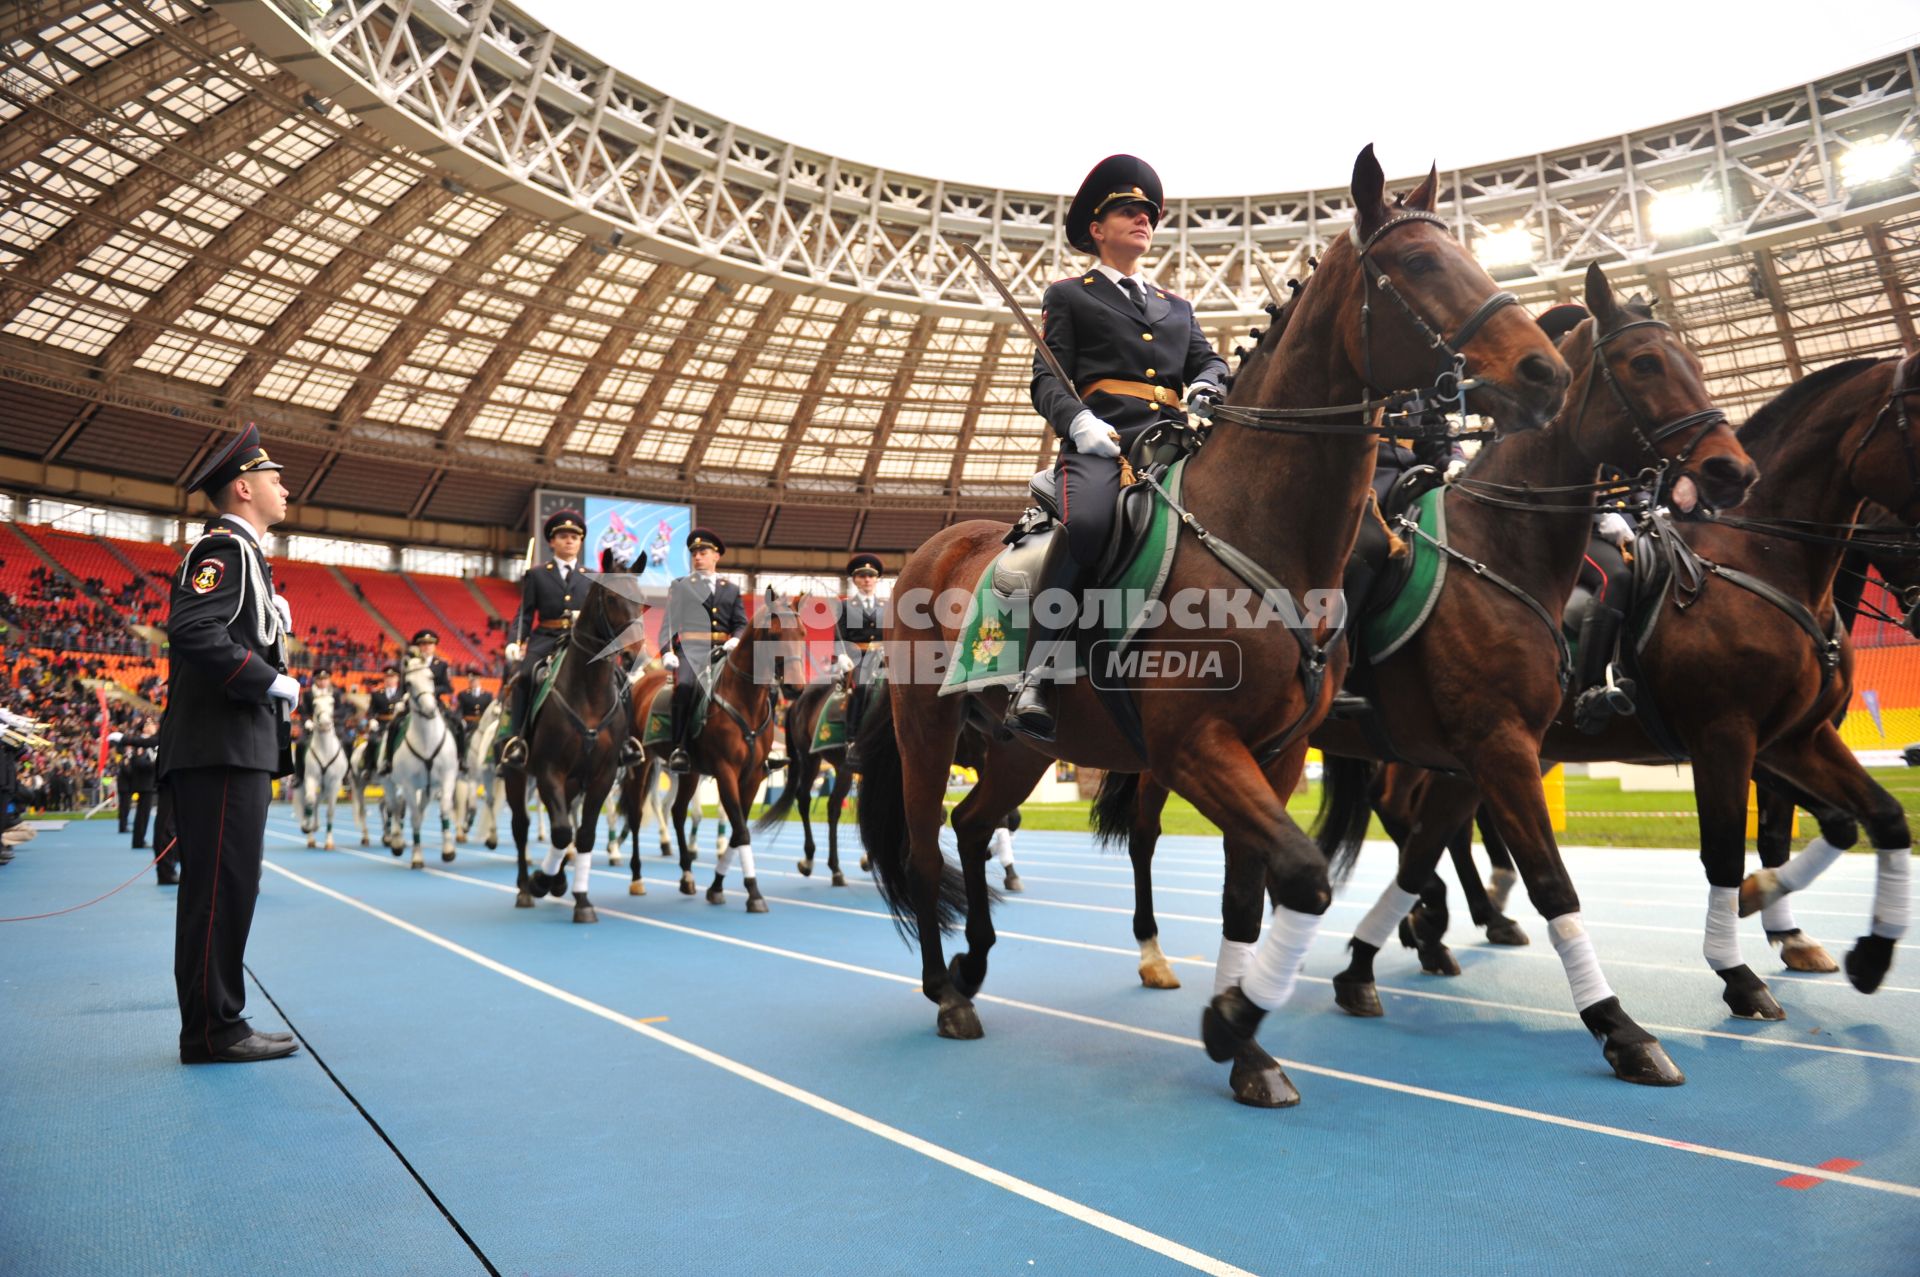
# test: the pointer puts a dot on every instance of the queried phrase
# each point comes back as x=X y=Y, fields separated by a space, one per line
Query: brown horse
x=803 y=768
x=733 y=745
x=573 y=747
x=1283 y=476
x=1517 y=523
x=636 y=781
x=1744 y=669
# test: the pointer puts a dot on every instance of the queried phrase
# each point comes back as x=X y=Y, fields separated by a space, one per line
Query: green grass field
x=1598 y=813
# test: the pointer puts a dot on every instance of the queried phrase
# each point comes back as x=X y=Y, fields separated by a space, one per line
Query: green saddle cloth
x=990 y=650
x=830 y=731
x=660 y=713
x=1396 y=621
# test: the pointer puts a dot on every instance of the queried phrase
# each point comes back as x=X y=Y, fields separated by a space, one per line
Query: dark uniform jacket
x=218 y=712
x=859 y=627
x=137 y=761
x=1098 y=334
x=442 y=682
x=702 y=616
x=544 y=595
x=473 y=704
x=383 y=706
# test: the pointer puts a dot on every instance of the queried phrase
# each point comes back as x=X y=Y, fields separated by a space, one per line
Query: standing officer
x=137 y=777
x=703 y=609
x=856 y=642
x=222 y=742
x=1132 y=348
x=383 y=706
x=555 y=591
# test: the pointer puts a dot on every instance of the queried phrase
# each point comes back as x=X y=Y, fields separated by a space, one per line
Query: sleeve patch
x=206 y=577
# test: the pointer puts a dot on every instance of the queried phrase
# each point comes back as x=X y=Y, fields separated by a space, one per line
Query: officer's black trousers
x=142 y=812
x=123 y=794
x=220 y=818
x=1089 y=491
x=164 y=838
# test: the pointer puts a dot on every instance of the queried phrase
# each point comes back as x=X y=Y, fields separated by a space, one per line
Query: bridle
x=1896 y=409
x=1450 y=383
x=1651 y=435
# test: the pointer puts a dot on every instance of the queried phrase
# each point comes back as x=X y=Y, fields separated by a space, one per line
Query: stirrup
x=1034 y=718
x=513 y=753
x=679 y=762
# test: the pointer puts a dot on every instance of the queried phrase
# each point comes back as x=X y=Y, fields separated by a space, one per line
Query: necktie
x=1135 y=294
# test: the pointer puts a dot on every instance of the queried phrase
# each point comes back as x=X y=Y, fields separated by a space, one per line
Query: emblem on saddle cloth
x=990 y=649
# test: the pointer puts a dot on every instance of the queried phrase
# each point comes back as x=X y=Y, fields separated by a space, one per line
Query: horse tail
x=1346 y=808
x=1113 y=808
x=883 y=825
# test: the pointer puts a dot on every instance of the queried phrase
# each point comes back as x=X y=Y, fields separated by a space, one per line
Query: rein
x=1649 y=434
x=1481 y=570
x=1450 y=384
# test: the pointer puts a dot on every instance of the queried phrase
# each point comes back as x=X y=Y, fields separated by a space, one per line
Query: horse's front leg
x=683 y=791
x=739 y=836
x=584 y=837
x=836 y=803
x=1151 y=801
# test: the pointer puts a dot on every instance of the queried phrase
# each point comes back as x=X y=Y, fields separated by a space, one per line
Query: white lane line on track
x=1078 y=1211
x=1836 y=985
x=1359 y=1079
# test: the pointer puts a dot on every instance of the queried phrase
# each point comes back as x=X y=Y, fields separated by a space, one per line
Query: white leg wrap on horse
x=1276 y=962
x=746 y=859
x=1575 y=948
x=1235 y=957
x=721 y=861
x=1890 y=892
x=1001 y=845
x=582 y=871
x=1813 y=860
x=551 y=864
x=1722 y=943
x=1384 y=918
x=1778 y=916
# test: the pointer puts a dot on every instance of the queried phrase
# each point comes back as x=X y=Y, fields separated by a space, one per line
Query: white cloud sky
x=1222 y=98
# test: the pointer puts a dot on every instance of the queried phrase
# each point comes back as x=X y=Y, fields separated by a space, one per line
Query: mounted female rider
x=1133 y=349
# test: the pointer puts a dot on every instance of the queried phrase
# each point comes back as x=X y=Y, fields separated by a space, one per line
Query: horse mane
x=1266 y=342
x=1763 y=427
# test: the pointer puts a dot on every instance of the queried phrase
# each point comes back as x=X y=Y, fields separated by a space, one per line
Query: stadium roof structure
x=443 y=257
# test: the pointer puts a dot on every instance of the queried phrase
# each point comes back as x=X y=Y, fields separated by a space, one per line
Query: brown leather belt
x=563 y=623
x=867 y=647
x=1133 y=390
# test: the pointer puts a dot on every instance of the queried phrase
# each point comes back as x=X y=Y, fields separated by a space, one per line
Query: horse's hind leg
x=801 y=771
x=515 y=786
x=1723 y=754
x=1155 y=971
x=1823 y=766
x=1008 y=776
x=836 y=803
x=1501 y=929
x=1776 y=801
x=739 y=839
x=683 y=791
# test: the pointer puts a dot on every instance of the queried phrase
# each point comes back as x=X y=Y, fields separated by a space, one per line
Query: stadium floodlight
x=1875 y=160
x=1683 y=210
x=1510 y=247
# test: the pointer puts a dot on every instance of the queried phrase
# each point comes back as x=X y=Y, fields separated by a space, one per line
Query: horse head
x=1885 y=462
x=1654 y=407
x=418 y=676
x=779 y=643
x=1406 y=300
x=320 y=717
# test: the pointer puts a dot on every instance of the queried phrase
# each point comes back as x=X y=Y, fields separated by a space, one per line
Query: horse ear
x=773 y=599
x=1600 y=300
x=1423 y=194
x=607 y=562
x=1368 y=191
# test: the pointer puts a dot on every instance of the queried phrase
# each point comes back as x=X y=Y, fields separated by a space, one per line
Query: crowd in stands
x=50 y=612
x=64 y=776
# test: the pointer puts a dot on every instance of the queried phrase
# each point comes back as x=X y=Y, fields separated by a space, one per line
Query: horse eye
x=1419 y=264
x=1647 y=365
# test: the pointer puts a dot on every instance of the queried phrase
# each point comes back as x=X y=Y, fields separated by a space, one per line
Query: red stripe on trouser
x=1601 y=593
x=213 y=907
x=1064 y=472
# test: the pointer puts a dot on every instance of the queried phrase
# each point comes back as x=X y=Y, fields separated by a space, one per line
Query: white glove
x=515 y=651
x=284 y=687
x=730 y=644
x=284 y=611
x=115 y=737
x=1455 y=468
x=670 y=660
x=1201 y=398
x=1615 y=528
x=1092 y=436
x=843 y=663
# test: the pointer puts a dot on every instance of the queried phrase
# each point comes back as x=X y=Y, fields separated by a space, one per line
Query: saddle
x=660 y=714
x=1657 y=557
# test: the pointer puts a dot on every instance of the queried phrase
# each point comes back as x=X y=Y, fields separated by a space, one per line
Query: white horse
x=478 y=794
x=424 y=761
x=322 y=769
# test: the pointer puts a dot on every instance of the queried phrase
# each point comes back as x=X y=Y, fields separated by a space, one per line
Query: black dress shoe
x=166 y=878
x=246 y=1051
x=272 y=1035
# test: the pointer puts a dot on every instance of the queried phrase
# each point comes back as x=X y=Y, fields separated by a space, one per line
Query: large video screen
x=647 y=534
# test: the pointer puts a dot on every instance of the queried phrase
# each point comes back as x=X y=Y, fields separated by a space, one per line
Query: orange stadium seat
x=390 y=595
x=455 y=602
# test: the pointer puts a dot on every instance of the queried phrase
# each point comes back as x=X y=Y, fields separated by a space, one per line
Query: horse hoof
x=1643 y=1064
x=398 y=851
x=311 y=844
x=446 y=856
x=492 y=844
x=1437 y=959
x=716 y=896
x=756 y=904
x=866 y=865
x=584 y=912
x=1747 y=995
x=523 y=900
x=1801 y=952
x=1158 y=975
x=329 y=842
x=1228 y=1024
x=1868 y=962
x=1259 y=1082
x=1358 y=997
x=805 y=867
x=839 y=879
x=686 y=885
x=636 y=888
x=365 y=841
x=1504 y=930
x=957 y=976
x=1013 y=883
x=665 y=850
x=418 y=861
x=960 y=1022
x=1758 y=890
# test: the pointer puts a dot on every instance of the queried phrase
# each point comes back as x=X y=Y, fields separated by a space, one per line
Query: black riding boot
x=1604 y=694
x=1030 y=711
x=679 y=762
x=856 y=710
x=513 y=749
x=397 y=728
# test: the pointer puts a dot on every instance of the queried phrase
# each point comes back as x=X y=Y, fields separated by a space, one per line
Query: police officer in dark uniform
x=1133 y=349
x=383 y=706
x=137 y=777
x=551 y=596
x=473 y=701
x=222 y=741
x=426 y=645
x=705 y=619
x=322 y=681
x=856 y=642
